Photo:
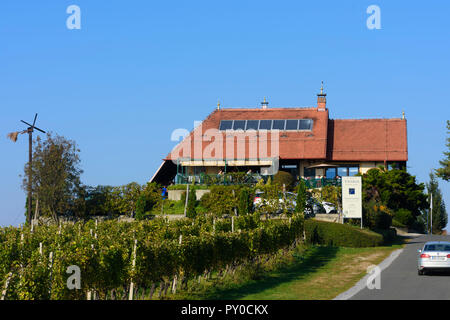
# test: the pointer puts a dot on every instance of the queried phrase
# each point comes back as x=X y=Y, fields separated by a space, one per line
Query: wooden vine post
x=174 y=286
x=50 y=258
x=130 y=295
x=235 y=209
x=6 y=286
x=186 y=202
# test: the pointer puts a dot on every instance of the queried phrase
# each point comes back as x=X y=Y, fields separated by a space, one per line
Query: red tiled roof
x=334 y=140
x=367 y=139
x=292 y=144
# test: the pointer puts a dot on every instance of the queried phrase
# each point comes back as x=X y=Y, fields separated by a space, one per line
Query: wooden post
x=152 y=290
x=187 y=197
x=130 y=296
x=161 y=287
x=51 y=267
x=6 y=286
x=235 y=209
x=174 y=286
x=33 y=221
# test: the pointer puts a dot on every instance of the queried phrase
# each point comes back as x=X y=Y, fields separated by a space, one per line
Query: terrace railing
x=322 y=182
x=240 y=178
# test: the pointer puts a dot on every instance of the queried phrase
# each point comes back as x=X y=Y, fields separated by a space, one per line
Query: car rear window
x=437 y=247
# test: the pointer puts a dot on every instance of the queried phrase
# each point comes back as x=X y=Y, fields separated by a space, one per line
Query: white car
x=329 y=207
x=313 y=206
x=434 y=256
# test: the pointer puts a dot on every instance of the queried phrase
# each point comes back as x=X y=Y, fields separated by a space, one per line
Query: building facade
x=302 y=141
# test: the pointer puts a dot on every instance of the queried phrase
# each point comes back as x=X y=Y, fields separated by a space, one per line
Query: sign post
x=352 y=198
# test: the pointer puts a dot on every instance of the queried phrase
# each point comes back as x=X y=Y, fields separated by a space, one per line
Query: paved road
x=401 y=281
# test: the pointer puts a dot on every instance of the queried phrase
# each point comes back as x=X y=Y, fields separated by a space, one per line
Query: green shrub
x=397 y=224
x=191 y=204
x=149 y=197
x=302 y=196
x=331 y=194
x=389 y=235
x=245 y=202
x=404 y=216
x=376 y=215
x=340 y=235
x=283 y=177
x=221 y=200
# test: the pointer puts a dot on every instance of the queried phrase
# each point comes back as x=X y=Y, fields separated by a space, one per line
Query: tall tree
x=439 y=212
x=55 y=175
x=444 y=171
x=302 y=196
x=396 y=189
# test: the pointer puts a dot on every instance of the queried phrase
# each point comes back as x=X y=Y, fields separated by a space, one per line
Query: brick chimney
x=321 y=100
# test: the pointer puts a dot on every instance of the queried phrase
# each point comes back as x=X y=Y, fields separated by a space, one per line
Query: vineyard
x=130 y=260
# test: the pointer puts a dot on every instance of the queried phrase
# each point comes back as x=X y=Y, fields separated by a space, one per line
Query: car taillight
x=448 y=256
x=424 y=255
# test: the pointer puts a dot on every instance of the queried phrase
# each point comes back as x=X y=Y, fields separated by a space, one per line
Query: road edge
x=361 y=284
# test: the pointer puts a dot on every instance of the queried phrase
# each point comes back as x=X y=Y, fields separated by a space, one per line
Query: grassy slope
x=318 y=273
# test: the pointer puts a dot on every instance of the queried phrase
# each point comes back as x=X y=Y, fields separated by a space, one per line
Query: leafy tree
x=245 y=202
x=55 y=175
x=439 y=212
x=376 y=215
x=396 y=189
x=404 y=216
x=191 y=204
x=220 y=200
x=147 y=200
x=283 y=177
x=270 y=200
x=302 y=196
x=444 y=171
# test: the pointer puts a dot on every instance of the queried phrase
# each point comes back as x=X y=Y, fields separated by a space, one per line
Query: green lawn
x=314 y=273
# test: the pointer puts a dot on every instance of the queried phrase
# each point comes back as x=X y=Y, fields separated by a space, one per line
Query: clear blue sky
x=137 y=70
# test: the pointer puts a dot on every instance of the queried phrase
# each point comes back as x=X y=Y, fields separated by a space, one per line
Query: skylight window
x=239 y=125
x=252 y=125
x=305 y=124
x=265 y=124
x=291 y=124
x=278 y=124
x=226 y=125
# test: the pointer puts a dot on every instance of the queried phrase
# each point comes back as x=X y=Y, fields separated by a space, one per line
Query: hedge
x=340 y=235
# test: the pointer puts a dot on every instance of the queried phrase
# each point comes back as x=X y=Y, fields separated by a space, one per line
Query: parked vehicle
x=313 y=206
x=329 y=207
x=434 y=256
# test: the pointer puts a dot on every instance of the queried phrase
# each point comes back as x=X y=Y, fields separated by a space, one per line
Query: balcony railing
x=220 y=179
x=322 y=182
x=241 y=178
